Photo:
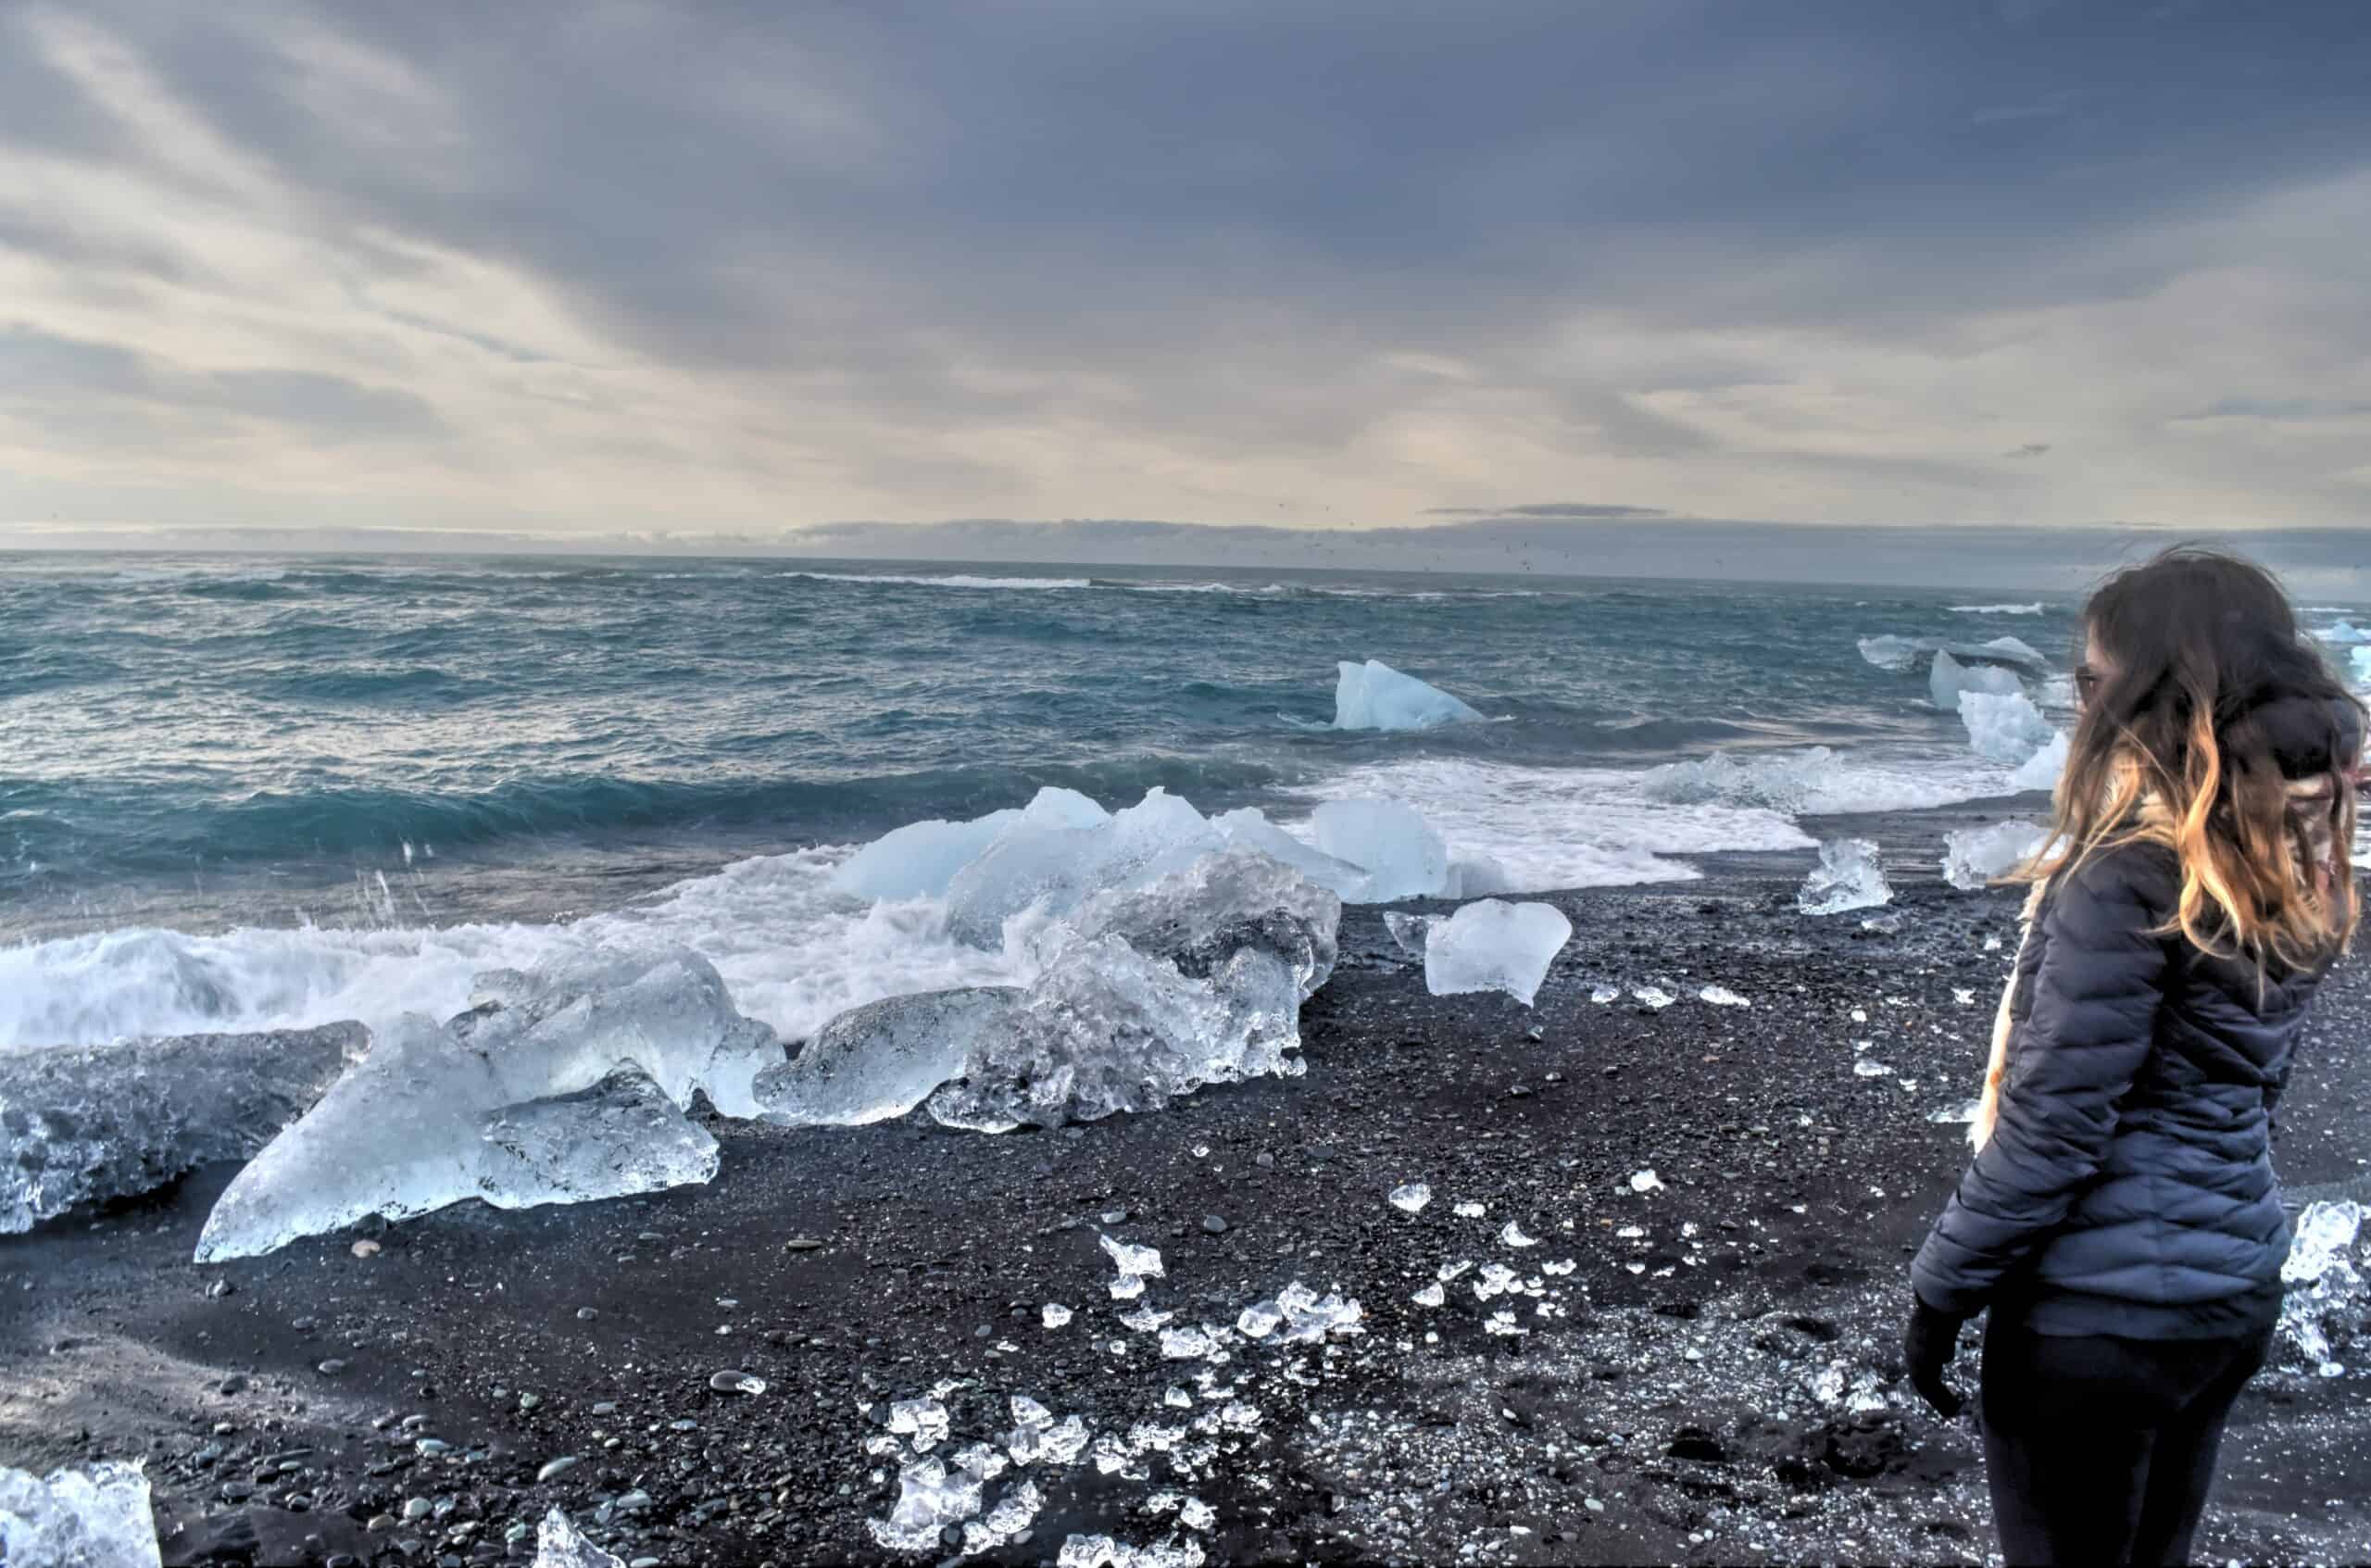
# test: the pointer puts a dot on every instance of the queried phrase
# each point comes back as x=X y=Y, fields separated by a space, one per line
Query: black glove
x=1928 y=1344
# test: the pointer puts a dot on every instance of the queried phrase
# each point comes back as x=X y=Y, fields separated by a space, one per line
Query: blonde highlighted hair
x=2214 y=728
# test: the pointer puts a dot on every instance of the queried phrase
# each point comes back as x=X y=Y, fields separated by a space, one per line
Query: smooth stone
x=1215 y=1226
x=555 y=1468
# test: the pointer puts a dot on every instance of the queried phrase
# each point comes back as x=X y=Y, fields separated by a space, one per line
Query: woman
x=2121 y=1220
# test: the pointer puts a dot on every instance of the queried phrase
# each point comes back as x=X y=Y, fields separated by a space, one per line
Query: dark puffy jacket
x=2128 y=1187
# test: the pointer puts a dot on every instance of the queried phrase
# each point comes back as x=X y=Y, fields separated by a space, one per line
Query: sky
x=1366 y=279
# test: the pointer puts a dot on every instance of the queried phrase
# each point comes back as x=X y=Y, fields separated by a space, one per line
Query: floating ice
x=1401 y=855
x=1973 y=857
x=439 y=1112
x=1141 y=1261
x=558 y=1544
x=2012 y=647
x=77 y=1519
x=2005 y=728
x=1150 y=993
x=1646 y=1181
x=881 y=1059
x=1848 y=877
x=1410 y=1197
x=80 y=1122
x=1375 y=697
x=1902 y=654
x=2325 y=1288
x=1722 y=997
x=1493 y=945
x=1889 y=652
x=1950 y=679
x=2034 y=608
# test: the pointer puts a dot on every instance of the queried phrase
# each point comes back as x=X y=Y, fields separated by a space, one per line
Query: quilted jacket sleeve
x=2088 y=1031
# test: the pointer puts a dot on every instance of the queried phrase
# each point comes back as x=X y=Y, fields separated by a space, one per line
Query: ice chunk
x=1258 y=1321
x=2011 y=647
x=1309 y=1317
x=919 y=860
x=1013 y=1513
x=1410 y=1197
x=1399 y=850
x=621 y=1136
x=2042 y=770
x=1652 y=997
x=2361 y=659
x=1956 y=1115
x=1127 y=1287
x=1186 y=1344
x=1102 y=1552
x=1870 y=1067
x=1493 y=945
x=558 y=1544
x=2324 y=1288
x=1130 y=1259
x=1950 y=679
x=1603 y=993
x=1375 y=697
x=1891 y=653
x=1249 y=828
x=1973 y=857
x=407 y=1129
x=83 y=1123
x=925 y=1420
x=1646 y=1181
x=77 y=1519
x=880 y=1061
x=929 y=1498
x=1848 y=877
x=1054 y=867
x=1054 y=1315
x=1412 y=932
x=1470 y=1210
x=1722 y=997
x=1431 y=1295
x=1512 y=1235
x=2004 y=728
x=1198 y=979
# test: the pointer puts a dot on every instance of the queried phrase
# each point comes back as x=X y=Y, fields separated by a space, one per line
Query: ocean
x=249 y=792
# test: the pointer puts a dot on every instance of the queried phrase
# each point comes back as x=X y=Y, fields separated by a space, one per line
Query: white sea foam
x=1818 y=782
x=2034 y=608
x=947 y=580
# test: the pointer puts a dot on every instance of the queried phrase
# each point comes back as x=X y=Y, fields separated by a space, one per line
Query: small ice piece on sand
x=1950 y=680
x=2005 y=728
x=1410 y=1197
x=1141 y=1261
x=1646 y=1181
x=1412 y=932
x=1494 y=945
x=1102 y=1552
x=1144 y=1320
x=1186 y=1344
x=80 y=1122
x=1433 y=1295
x=1127 y=1287
x=1870 y=1067
x=1258 y=1319
x=1309 y=1316
x=923 y=1420
x=1448 y=1271
x=1177 y=1398
x=1055 y=1314
x=1973 y=857
x=929 y=1499
x=1375 y=697
x=1013 y=1513
x=1654 y=997
x=1470 y=1211
x=1848 y=877
x=560 y=1545
x=1956 y=1115
x=880 y=1061
x=1722 y=997
x=1196 y=1514
x=1512 y=1237
x=1604 y=994
x=97 y=1518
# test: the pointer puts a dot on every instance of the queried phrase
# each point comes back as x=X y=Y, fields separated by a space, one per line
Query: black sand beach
x=1685 y=1394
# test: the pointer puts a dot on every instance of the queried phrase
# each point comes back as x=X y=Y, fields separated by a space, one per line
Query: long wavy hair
x=2212 y=726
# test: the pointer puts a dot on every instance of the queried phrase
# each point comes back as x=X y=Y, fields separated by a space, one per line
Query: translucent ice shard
x=1309 y=1316
x=1130 y=1259
x=1410 y=1197
x=1054 y=867
x=1375 y=697
x=1652 y=995
x=1848 y=877
x=560 y=1545
x=881 y=1059
x=919 y=860
x=1973 y=857
x=2042 y=770
x=1251 y=829
x=930 y=1498
x=1950 y=680
x=1722 y=997
x=1402 y=856
x=1646 y=1181
x=1493 y=945
x=2324 y=1286
x=2004 y=727
x=1431 y=1295
x=1512 y=1235
x=1013 y=1513
x=1054 y=1315
x=925 y=1420
x=80 y=1122
x=439 y=1112
x=1411 y=932
x=77 y=1519
x=1258 y=1319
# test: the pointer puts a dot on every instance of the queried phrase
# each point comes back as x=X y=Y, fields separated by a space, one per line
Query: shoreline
x=1684 y=1398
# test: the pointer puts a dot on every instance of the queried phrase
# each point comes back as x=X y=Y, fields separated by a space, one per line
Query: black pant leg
x=2181 y=1473
x=2067 y=1447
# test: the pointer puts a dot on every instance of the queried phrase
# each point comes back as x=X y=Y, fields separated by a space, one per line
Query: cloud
x=1550 y=508
x=737 y=267
x=2030 y=450
x=2280 y=408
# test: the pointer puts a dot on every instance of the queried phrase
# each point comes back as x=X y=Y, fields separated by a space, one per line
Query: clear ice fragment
x=1258 y=1319
x=1130 y=1259
x=1512 y=1237
x=1469 y=1211
x=1646 y=1181
x=1722 y=997
x=559 y=1544
x=1410 y=1197
x=1848 y=877
x=1973 y=857
x=1412 y=933
x=929 y=1499
x=1055 y=1314
x=97 y=1518
x=1652 y=995
x=1432 y=1295
x=1186 y=1344
x=880 y=1061
x=1399 y=850
x=1603 y=993
x=1490 y=945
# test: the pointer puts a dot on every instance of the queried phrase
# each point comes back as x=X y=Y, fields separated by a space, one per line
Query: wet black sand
x=1669 y=1413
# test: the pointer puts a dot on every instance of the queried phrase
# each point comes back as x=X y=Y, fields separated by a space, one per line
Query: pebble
x=378 y=1521
x=331 y=1368
x=234 y=1383
x=418 y=1508
x=554 y=1468
x=802 y=1244
x=587 y=1314
x=1265 y=1160
x=529 y=1401
x=1214 y=1224
x=1115 y=1216
x=607 y=1407
x=736 y=1383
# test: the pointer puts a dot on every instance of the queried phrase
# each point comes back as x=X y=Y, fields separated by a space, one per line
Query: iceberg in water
x=1375 y=697
x=76 y=1519
x=1903 y=655
x=494 y=1104
x=80 y=1122
x=2361 y=659
x=2004 y=727
x=2014 y=649
x=1493 y=945
x=1146 y=994
x=1973 y=857
x=1950 y=678
x=881 y=1059
x=1848 y=877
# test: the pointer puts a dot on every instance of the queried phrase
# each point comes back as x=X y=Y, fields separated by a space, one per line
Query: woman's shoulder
x=2136 y=880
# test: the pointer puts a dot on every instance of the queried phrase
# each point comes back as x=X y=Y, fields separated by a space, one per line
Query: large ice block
x=620 y=1137
x=1493 y=945
x=1053 y=867
x=97 y=1518
x=1391 y=842
x=2004 y=727
x=1375 y=697
x=1249 y=828
x=82 y=1123
x=881 y=1059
